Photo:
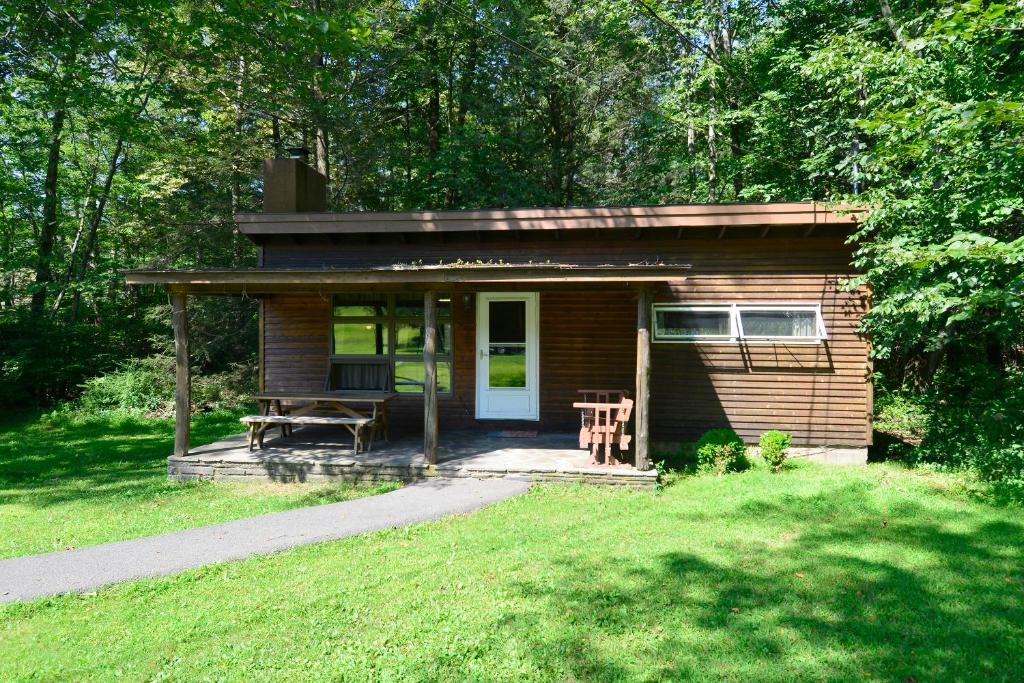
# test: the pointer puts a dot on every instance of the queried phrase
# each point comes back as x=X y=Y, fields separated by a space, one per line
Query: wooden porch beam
x=182 y=376
x=643 y=379
x=430 y=377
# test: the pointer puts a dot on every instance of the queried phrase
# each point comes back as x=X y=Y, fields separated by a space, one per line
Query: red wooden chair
x=608 y=426
x=587 y=414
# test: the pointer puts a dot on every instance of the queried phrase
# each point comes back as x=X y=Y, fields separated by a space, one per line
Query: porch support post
x=643 y=379
x=182 y=377
x=429 y=378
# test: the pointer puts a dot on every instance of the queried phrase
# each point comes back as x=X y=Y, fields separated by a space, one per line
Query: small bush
x=146 y=387
x=142 y=386
x=976 y=423
x=720 y=451
x=774 y=445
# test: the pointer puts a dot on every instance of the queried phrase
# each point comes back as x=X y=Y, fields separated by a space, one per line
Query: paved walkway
x=84 y=569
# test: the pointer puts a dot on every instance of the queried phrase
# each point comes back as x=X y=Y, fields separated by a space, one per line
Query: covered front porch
x=594 y=334
x=317 y=453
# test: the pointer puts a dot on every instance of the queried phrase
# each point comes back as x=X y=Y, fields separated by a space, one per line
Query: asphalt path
x=86 y=569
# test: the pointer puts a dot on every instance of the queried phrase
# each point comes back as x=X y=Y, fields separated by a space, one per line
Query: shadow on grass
x=851 y=596
x=46 y=461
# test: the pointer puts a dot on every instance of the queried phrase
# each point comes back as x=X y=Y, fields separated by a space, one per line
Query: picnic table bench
x=258 y=425
x=363 y=413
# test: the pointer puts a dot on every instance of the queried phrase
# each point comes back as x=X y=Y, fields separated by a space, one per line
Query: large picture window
x=794 y=323
x=377 y=343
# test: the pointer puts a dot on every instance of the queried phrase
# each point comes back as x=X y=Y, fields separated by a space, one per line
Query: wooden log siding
x=820 y=393
x=589 y=339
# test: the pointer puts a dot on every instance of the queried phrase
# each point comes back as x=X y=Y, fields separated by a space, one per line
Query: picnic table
x=354 y=410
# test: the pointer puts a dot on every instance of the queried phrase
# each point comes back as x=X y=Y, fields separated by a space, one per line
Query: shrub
x=721 y=451
x=146 y=387
x=143 y=386
x=976 y=422
x=774 y=445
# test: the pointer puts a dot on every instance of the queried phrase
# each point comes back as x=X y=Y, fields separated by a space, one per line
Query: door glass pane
x=409 y=338
x=507 y=365
x=360 y=339
x=779 y=323
x=507 y=322
x=684 y=323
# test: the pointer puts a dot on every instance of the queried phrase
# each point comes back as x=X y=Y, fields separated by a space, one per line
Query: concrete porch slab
x=318 y=453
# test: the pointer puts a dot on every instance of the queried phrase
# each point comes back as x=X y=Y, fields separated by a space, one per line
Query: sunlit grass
x=840 y=574
x=69 y=482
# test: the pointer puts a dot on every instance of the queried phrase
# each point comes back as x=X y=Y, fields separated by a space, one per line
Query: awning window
x=736 y=322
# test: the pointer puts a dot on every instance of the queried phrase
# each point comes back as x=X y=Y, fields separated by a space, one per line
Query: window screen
x=779 y=323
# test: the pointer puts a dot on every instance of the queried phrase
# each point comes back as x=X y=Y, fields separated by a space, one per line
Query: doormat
x=514 y=434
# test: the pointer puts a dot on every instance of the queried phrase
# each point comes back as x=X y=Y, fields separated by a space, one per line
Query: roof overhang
x=627 y=217
x=269 y=281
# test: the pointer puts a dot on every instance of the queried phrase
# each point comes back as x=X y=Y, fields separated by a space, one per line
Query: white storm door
x=507 y=381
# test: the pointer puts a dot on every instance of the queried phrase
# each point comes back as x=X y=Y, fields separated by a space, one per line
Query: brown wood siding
x=820 y=393
x=296 y=342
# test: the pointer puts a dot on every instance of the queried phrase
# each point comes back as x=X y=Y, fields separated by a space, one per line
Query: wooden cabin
x=726 y=315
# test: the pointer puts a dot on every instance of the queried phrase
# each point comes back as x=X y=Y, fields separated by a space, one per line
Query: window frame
x=738 y=336
x=820 y=333
x=391 y=320
x=694 y=308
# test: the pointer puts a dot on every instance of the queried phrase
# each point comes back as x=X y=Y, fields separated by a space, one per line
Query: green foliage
x=900 y=414
x=774 y=445
x=42 y=361
x=976 y=422
x=155 y=117
x=146 y=387
x=719 y=451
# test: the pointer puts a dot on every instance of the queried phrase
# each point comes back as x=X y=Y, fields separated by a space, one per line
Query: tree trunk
x=83 y=219
x=321 y=151
x=735 y=128
x=691 y=153
x=236 y=162
x=94 y=227
x=275 y=136
x=433 y=104
x=891 y=23
x=44 y=245
x=712 y=142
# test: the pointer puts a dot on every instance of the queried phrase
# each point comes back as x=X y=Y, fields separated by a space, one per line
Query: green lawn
x=871 y=573
x=507 y=371
x=69 y=483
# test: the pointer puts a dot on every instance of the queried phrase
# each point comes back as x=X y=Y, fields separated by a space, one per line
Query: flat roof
x=613 y=217
x=268 y=280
